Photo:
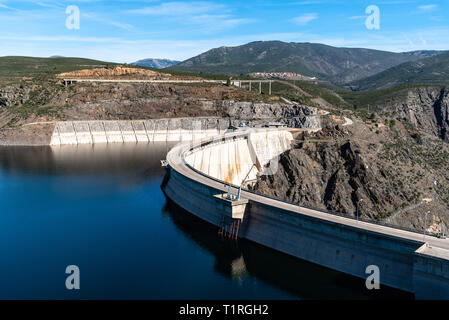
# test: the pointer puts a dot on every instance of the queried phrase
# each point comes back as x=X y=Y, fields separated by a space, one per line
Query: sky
x=127 y=31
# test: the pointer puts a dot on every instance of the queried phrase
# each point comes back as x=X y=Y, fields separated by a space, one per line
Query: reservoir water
x=101 y=208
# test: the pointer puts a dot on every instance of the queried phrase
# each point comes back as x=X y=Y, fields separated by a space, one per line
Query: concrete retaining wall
x=153 y=130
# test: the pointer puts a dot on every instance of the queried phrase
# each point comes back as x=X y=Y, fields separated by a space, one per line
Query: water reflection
x=99 y=159
x=101 y=206
x=300 y=278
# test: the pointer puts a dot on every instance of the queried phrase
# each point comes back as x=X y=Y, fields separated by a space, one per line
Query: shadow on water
x=141 y=160
x=235 y=259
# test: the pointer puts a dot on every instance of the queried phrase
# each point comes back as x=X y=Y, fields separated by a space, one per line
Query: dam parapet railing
x=241 y=135
x=406 y=259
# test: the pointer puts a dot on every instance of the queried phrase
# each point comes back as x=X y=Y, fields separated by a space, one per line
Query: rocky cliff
x=389 y=174
x=259 y=114
x=50 y=101
x=125 y=101
x=426 y=107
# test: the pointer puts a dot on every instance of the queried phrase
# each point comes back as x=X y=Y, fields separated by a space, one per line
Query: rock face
x=117 y=72
x=126 y=101
x=257 y=114
x=11 y=95
x=112 y=101
x=426 y=107
x=337 y=168
x=332 y=177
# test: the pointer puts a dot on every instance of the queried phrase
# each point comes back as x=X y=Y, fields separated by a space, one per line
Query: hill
x=337 y=65
x=155 y=63
x=433 y=69
x=15 y=67
x=117 y=73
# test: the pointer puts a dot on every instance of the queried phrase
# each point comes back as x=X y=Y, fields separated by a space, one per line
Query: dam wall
x=327 y=244
x=431 y=273
x=237 y=158
x=153 y=130
x=404 y=260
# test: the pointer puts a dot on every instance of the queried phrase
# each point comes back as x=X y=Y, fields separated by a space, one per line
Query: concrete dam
x=199 y=175
x=238 y=159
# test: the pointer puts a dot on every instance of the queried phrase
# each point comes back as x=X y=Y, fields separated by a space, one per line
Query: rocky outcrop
x=115 y=73
x=52 y=102
x=334 y=177
x=338 y=167
x=426 y=107
x=257 y=114
x=14 y=95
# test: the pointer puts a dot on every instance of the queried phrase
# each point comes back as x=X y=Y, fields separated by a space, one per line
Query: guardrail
x=216 y=139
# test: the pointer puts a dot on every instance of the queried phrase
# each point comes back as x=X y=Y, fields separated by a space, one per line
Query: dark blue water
x=101 y=208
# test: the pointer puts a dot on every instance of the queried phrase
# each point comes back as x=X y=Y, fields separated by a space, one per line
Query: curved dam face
x=196 y=178
x=239 y=159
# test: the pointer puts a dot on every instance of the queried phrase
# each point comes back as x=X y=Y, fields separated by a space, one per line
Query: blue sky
x=126 y=31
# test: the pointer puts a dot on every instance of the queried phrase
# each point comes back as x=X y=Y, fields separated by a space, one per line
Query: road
x=143 y=81
x=439 y=247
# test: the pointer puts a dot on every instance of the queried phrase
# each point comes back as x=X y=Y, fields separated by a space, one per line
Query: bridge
x=238 y=83
x=200 y=174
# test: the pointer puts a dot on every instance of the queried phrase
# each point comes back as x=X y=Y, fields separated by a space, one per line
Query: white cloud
x=305 y=18
x=303 y=3
x=97 y=18
x=201 y=17
x=357 y=17
x=428 y=8
x=7 y=7
x=178 y=8
x=423 y=41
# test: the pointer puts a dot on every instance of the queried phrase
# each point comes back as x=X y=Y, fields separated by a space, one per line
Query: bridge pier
x=241 y=83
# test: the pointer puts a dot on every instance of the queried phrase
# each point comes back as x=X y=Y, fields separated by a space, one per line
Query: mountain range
x=434 y=69
x=356 y=69
x=340 y=66
x=155 y=63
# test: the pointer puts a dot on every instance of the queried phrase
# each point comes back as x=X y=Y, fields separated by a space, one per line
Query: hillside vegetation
x=338 y=65
x=430 y=70
x=14 y=69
